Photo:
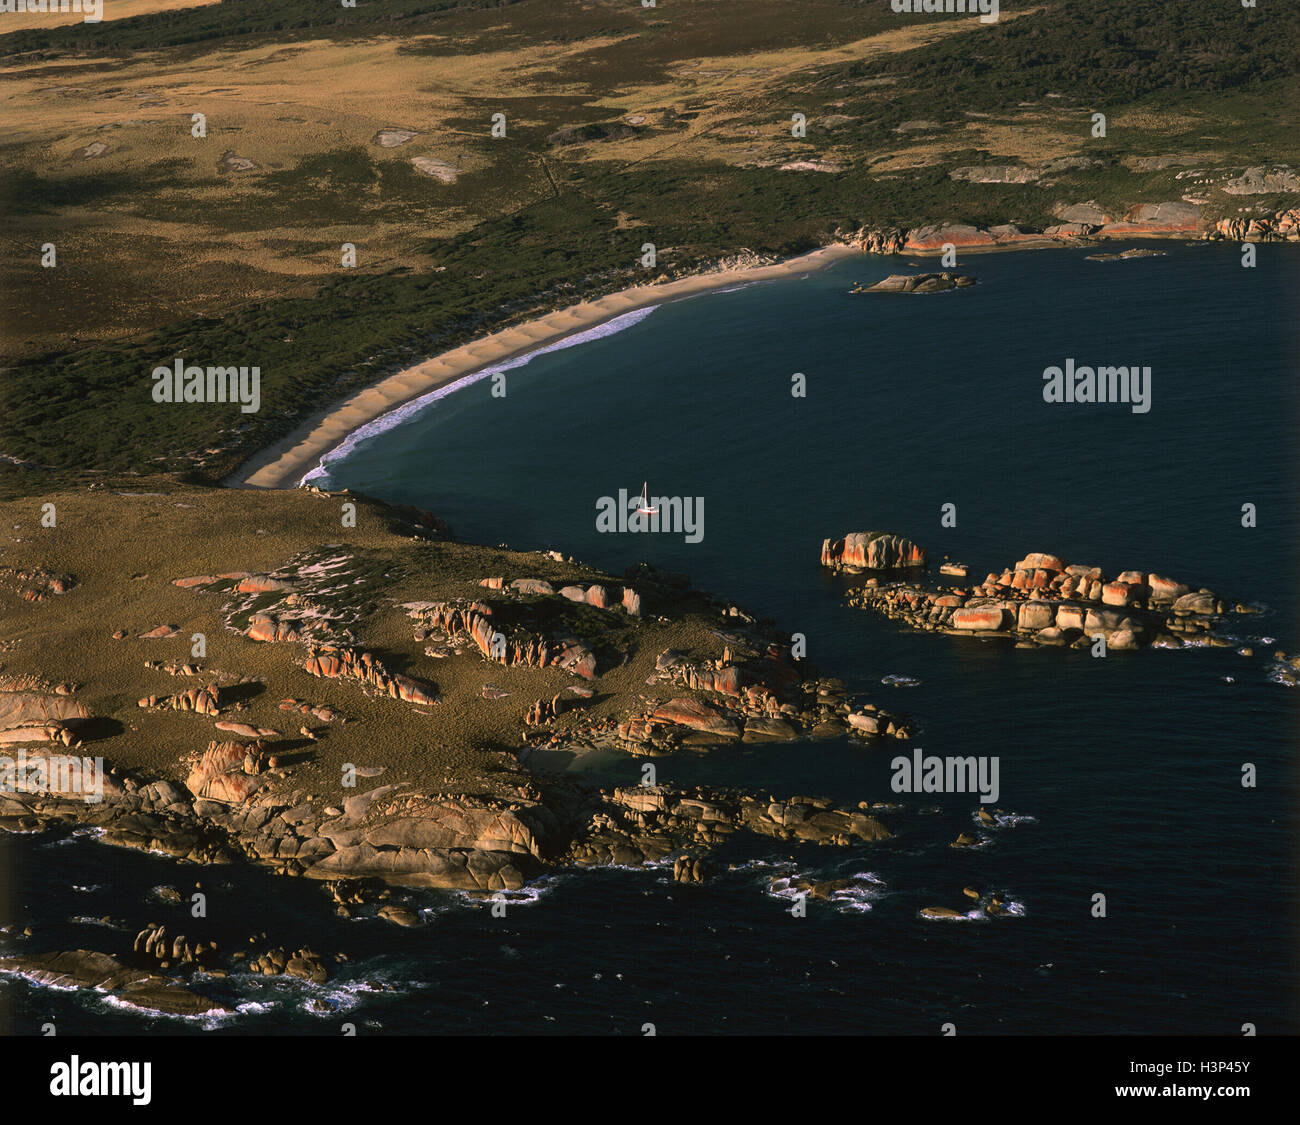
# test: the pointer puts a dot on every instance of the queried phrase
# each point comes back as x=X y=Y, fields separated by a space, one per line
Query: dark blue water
x=1126 y=770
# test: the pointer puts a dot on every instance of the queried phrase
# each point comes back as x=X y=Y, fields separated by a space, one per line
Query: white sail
x=644 y=507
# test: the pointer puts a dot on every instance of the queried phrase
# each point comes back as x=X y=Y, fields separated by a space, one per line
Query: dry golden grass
x=271 y=105
x=197 y=236
x=1156 y=122
x=111 y=10
x=275 y=107
x=125 y=550
x=1029 y=138
x=728 y=93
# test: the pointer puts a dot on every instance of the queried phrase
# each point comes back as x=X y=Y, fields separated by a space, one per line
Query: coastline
x=285 y=463
x=399 y=753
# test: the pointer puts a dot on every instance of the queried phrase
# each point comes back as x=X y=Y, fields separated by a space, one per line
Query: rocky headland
x=1083 y=223
x=363 y=706
x=364 y=712
x=555 y=657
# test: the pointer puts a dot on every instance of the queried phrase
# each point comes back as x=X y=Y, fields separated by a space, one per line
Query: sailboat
x=644 y=508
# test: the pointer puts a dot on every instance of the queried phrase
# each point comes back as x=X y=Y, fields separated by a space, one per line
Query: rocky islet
x=1044 y=600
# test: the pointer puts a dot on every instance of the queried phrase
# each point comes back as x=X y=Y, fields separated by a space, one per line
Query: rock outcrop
x=762 y=699
x=36 y=710
x=155 y=943
x=692 y=869
x=1021 y=173
x=333 y=661
x=139 y=988
x=227 y=771
x=642 y=824
x=263 y=584
x=695 y=714
x=918 y=283
x=1284 y=226
x=933 y=238
x=1047 y=601
x=460 y=844
x=996 y=174
x=1170 y=218
x=476 y=621
x=1090 y=214
x=1263 y=181
x=267 y=629
x=871 y=550
x=324 y=714
x=1173 y=217
x=873 y=240
x=200 y=700
x=304 y=963
x=35 y=585
x=1065 y=232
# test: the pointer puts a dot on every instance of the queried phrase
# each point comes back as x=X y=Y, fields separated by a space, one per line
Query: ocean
x=1118 y=776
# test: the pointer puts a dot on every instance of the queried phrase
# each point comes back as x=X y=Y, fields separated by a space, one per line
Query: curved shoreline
x=285 y=463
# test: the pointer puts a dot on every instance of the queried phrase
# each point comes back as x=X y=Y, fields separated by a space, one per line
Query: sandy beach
x=285 y=463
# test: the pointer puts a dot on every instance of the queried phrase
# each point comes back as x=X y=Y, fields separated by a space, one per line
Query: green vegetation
x=1108 y=52
x=93 y=409
x=561 y=212
x=228 y=20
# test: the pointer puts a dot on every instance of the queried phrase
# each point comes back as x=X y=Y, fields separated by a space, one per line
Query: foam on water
x=411 y=409
x=857 y=898
x=975 y=915
x=263 y=996
x=1279 y=673
x=459 y=901
x=207 y=1020
x=33 y=982
x=978 y=914
x=252 y=1008
x=86 y=920
x=762 y=864
x=1004 y=819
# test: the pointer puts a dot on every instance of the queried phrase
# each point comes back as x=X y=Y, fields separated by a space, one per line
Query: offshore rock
x=87 y=969
x=1044 y=600
x=918 y=283
x=871 y=550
